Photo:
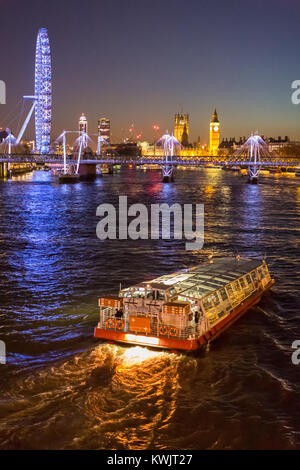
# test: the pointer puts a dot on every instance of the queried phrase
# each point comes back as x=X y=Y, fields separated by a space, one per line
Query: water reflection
x=53 y=269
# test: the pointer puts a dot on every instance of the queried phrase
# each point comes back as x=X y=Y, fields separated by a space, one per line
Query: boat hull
x=179 y=344
x=68 y=178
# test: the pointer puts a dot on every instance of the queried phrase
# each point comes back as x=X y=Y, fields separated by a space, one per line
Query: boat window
x=242 y=282
x=215 y=299
x=207 y=304
x=160 y=295
x=128 y=294
x=248 y=279
x=137 y=294
x=236 y=286
x=223 y=294
x=220 y=279
x=265 y=269
x=150 y=294
x=230 y=291
x=260 y=273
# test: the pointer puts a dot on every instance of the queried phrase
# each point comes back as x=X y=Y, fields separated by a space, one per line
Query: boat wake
x=113 y=397
x=92 y=401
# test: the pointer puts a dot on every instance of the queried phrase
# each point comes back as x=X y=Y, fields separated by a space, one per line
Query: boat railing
x=183 y=329
x=109 y=320
x=192 y=330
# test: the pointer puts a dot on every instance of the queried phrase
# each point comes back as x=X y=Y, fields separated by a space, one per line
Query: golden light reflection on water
x=138 y=358
x=138 y=354
x=209 y=190
x=298 y=199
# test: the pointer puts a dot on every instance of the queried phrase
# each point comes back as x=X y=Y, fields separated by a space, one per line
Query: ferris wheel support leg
x=65 y=152
x=79 y=157
x=23 y=128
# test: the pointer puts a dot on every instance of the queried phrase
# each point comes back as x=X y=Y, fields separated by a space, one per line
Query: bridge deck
x=151 y=160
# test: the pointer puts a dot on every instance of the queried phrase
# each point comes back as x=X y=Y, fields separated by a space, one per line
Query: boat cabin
x=187 y=304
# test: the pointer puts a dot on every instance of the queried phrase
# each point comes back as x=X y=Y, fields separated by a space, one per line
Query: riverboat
x=187 y=309
x=68 y=178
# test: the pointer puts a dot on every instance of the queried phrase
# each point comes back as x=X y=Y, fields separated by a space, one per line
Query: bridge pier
x=3 y=170
x=253 y=172
x=167 y=173
x=87 y=170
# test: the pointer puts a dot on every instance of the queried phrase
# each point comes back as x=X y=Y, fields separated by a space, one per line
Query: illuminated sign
x=141 y=339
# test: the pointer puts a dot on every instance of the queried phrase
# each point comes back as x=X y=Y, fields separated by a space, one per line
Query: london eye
x=42 y=98
x=42 y=92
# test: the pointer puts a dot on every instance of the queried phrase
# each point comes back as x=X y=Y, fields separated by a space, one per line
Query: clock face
x=216 y=128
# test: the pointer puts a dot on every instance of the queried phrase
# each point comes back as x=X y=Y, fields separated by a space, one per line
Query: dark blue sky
x=140 y=61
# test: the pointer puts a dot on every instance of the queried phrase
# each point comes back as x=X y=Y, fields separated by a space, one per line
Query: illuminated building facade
x=83 y=124
x=194 y=150
x=104 y=128
x=279 y=143
x=181 y=128
x=59 y=149
x=32 y=145
x=228 y=146
x=214 y=134
x=189 y=150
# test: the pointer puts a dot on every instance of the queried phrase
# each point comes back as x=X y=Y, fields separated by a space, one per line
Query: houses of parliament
x=181 y=133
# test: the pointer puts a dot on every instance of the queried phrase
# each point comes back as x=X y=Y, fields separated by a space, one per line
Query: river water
x=63 y=389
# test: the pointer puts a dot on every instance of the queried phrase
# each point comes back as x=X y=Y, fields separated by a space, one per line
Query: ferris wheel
x=42 y=98
x=42 y=92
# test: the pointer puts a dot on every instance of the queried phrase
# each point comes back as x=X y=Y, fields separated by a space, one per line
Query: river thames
x=62 y=389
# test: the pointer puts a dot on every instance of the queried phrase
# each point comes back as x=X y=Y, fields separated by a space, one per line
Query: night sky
x=140 y=61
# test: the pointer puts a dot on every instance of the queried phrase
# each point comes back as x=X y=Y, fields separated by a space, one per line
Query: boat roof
x=200 y=280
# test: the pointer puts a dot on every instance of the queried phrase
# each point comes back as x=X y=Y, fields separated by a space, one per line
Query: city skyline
x=140 y=78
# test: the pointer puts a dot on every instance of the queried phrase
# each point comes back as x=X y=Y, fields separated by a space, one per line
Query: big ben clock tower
x=214 y=134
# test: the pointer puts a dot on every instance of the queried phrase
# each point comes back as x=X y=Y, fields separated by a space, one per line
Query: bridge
x=253 y=154
x=150 y=160
x=88 y=164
